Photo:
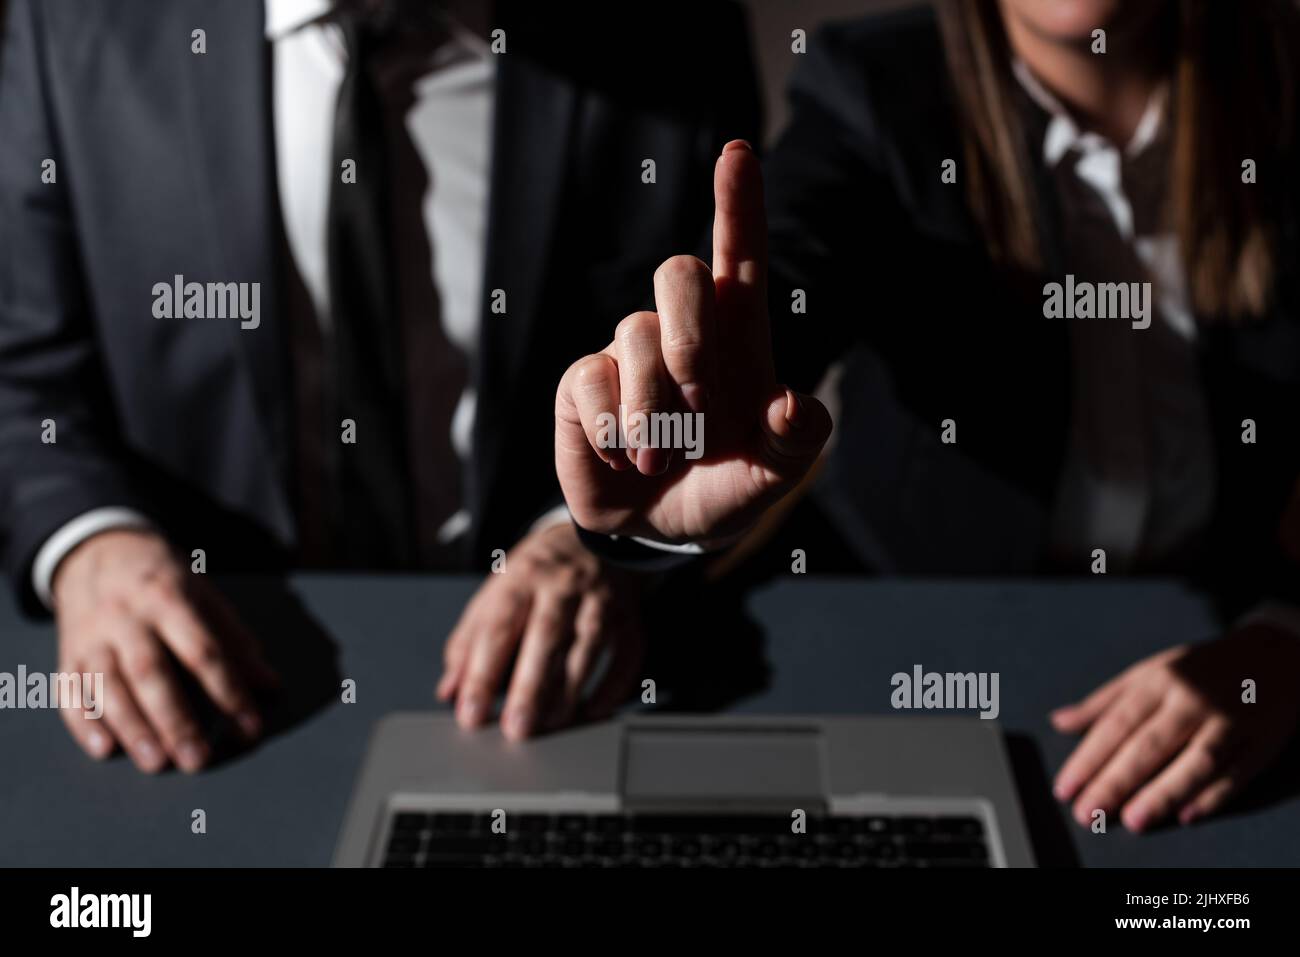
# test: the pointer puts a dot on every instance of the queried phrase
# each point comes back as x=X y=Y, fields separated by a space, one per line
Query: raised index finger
x=739 y=233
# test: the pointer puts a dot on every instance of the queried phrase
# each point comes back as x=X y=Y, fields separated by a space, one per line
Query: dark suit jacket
x=165 y=166
x=898 y=279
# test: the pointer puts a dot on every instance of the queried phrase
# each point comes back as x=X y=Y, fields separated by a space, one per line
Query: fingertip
x=1066 y=786
x=651 y=461
x=798 y=426
x=1082 y=815
x=470 y=712
x=737 y=145
x=191 y=756
x=1135 y=819
x=517 y=724
x=1061 y=720
x=148 y=757
x=695 y=396
x=249 y=723
x=98 y=744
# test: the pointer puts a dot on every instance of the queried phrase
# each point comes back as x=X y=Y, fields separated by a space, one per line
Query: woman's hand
x=1172 y=735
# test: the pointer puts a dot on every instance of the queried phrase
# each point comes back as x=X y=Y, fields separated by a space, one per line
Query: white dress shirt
x=449 y=122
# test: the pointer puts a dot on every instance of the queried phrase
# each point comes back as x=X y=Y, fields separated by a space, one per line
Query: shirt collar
x=1063 y=133
x=285 y=16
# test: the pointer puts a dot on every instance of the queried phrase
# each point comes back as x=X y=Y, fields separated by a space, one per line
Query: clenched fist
x=707 y=350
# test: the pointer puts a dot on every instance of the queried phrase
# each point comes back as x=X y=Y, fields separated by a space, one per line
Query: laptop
x=688 y=791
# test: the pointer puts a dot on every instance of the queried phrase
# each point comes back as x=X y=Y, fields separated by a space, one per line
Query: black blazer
x=165 y=166
x=897 y=279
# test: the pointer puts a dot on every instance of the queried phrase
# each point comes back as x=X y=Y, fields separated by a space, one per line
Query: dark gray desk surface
x=830 y=647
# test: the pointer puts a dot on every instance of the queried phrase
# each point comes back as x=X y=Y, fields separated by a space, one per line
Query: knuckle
x=681 y=268
x=497 y=638
x=550 y=629
x=142 y=663
x=159 y=593
x=567 y=579
x=639 y=326
x=590 y=370
x=1153 y=744
x=1126 y=714
x=682 y=342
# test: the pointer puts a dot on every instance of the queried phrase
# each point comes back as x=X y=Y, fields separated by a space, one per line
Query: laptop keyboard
x=450 y=839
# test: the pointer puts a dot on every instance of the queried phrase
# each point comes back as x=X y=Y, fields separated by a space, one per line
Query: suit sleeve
x=59 y=452
x=831 y=209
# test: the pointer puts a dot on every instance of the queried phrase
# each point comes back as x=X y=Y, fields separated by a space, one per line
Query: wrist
x=82 y=561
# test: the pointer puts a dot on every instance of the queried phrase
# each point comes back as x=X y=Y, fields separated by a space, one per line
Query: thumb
x=795 y=429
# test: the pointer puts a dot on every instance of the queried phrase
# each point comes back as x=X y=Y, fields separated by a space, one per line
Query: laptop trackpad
x=710 y=766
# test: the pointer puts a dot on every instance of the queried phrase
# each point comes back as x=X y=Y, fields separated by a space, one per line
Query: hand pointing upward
x=707 y=350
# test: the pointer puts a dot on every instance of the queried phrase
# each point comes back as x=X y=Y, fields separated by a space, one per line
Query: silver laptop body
x=907 y=782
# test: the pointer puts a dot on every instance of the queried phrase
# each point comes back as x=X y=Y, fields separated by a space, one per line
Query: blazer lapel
x=535 y=109
x=230 y=136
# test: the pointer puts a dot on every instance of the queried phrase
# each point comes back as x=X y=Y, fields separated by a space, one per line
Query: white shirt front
x=449 y=123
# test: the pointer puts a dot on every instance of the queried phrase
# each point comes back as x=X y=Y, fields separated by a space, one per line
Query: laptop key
x=688 y=848
x=649 y=848
x=400 y=844
x=471 y=844
x=608 y=824
x=411 y=821
x=875 y=825
x=836 y=826
x=453 y=823
x=572 y=824
x=916 y=826
x=959 y=826
x=530 y=823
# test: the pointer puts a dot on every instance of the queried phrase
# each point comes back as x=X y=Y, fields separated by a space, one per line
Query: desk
x=829 y=645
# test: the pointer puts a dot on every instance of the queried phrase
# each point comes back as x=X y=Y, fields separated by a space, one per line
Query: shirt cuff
x=688 y=548
x=1277 y=614
x=556 y=516
x=72 y=534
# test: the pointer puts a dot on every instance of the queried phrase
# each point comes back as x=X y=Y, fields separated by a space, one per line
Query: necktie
x=371 y=509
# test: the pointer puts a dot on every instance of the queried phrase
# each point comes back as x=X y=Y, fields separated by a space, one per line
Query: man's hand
x=554 y=611
x=124 y=607
x=706 y=350
x=1172 y=737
